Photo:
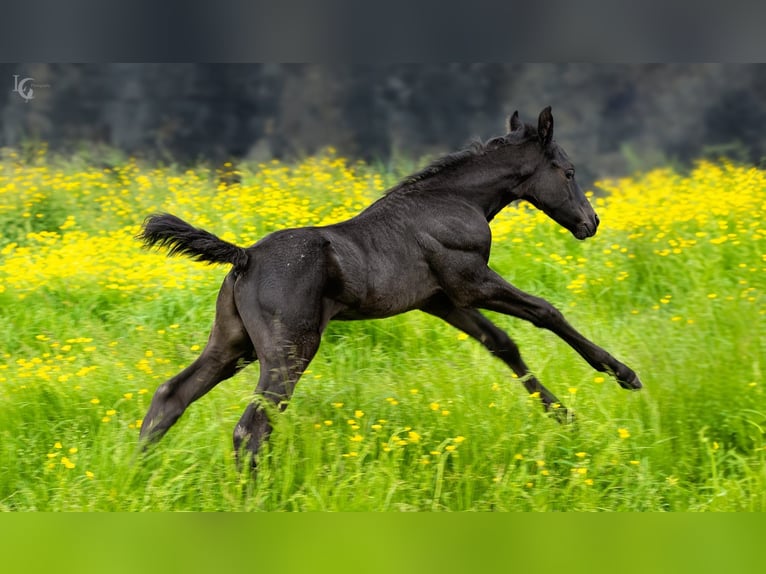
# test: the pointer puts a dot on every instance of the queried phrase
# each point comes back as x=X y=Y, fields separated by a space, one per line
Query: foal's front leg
x=492 y=292
x=497 y=341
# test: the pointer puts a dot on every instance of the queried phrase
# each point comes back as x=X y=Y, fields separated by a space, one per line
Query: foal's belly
x=386 y=292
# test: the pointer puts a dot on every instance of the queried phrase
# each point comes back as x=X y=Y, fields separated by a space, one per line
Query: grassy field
x=400 y=414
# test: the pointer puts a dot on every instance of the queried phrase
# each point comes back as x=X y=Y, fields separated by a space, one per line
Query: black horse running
x=424 y=245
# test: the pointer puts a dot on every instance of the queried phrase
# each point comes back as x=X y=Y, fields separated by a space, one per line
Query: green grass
x=73 y=351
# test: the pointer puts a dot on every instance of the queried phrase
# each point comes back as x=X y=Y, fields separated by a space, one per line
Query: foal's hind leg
x=228 y=350
x=285 y=326
x=283 y=360
x=473 y=323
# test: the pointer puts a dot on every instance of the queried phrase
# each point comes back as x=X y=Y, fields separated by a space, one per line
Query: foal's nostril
x=597 y=219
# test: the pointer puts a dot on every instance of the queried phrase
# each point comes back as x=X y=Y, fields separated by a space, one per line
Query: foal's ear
x=515 y=123
x=545 y=127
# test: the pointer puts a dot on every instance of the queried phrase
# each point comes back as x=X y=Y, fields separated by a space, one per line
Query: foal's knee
x=546 y=315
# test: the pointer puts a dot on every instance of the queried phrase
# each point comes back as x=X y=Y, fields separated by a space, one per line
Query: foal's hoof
x=560 y=413
x=564 y=416
x=246 y=463
x=632 y=383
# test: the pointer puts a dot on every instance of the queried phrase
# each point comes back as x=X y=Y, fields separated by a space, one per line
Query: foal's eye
x=570 y=174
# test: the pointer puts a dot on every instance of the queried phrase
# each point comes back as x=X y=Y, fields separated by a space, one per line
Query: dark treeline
x=612 y=117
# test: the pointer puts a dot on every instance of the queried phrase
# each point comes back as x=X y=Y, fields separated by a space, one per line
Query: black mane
x=475 y=148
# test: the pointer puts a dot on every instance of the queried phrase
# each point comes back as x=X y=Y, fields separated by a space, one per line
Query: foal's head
x=549 y=176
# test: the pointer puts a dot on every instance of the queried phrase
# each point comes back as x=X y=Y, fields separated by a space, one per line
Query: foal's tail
x=165 y=230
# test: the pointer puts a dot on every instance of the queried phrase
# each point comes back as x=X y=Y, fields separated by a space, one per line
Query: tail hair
x=180 y=238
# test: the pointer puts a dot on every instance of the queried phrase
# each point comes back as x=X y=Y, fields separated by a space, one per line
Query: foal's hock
x=424 y=245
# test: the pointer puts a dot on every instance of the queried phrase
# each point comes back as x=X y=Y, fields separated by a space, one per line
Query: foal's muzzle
x=586 y=228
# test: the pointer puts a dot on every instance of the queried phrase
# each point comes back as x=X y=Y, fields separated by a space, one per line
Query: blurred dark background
x=612 y=118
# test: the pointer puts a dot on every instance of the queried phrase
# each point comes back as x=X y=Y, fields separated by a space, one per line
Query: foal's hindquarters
x=272 y=311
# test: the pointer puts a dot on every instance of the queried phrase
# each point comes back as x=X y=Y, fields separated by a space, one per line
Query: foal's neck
x=490 y=190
